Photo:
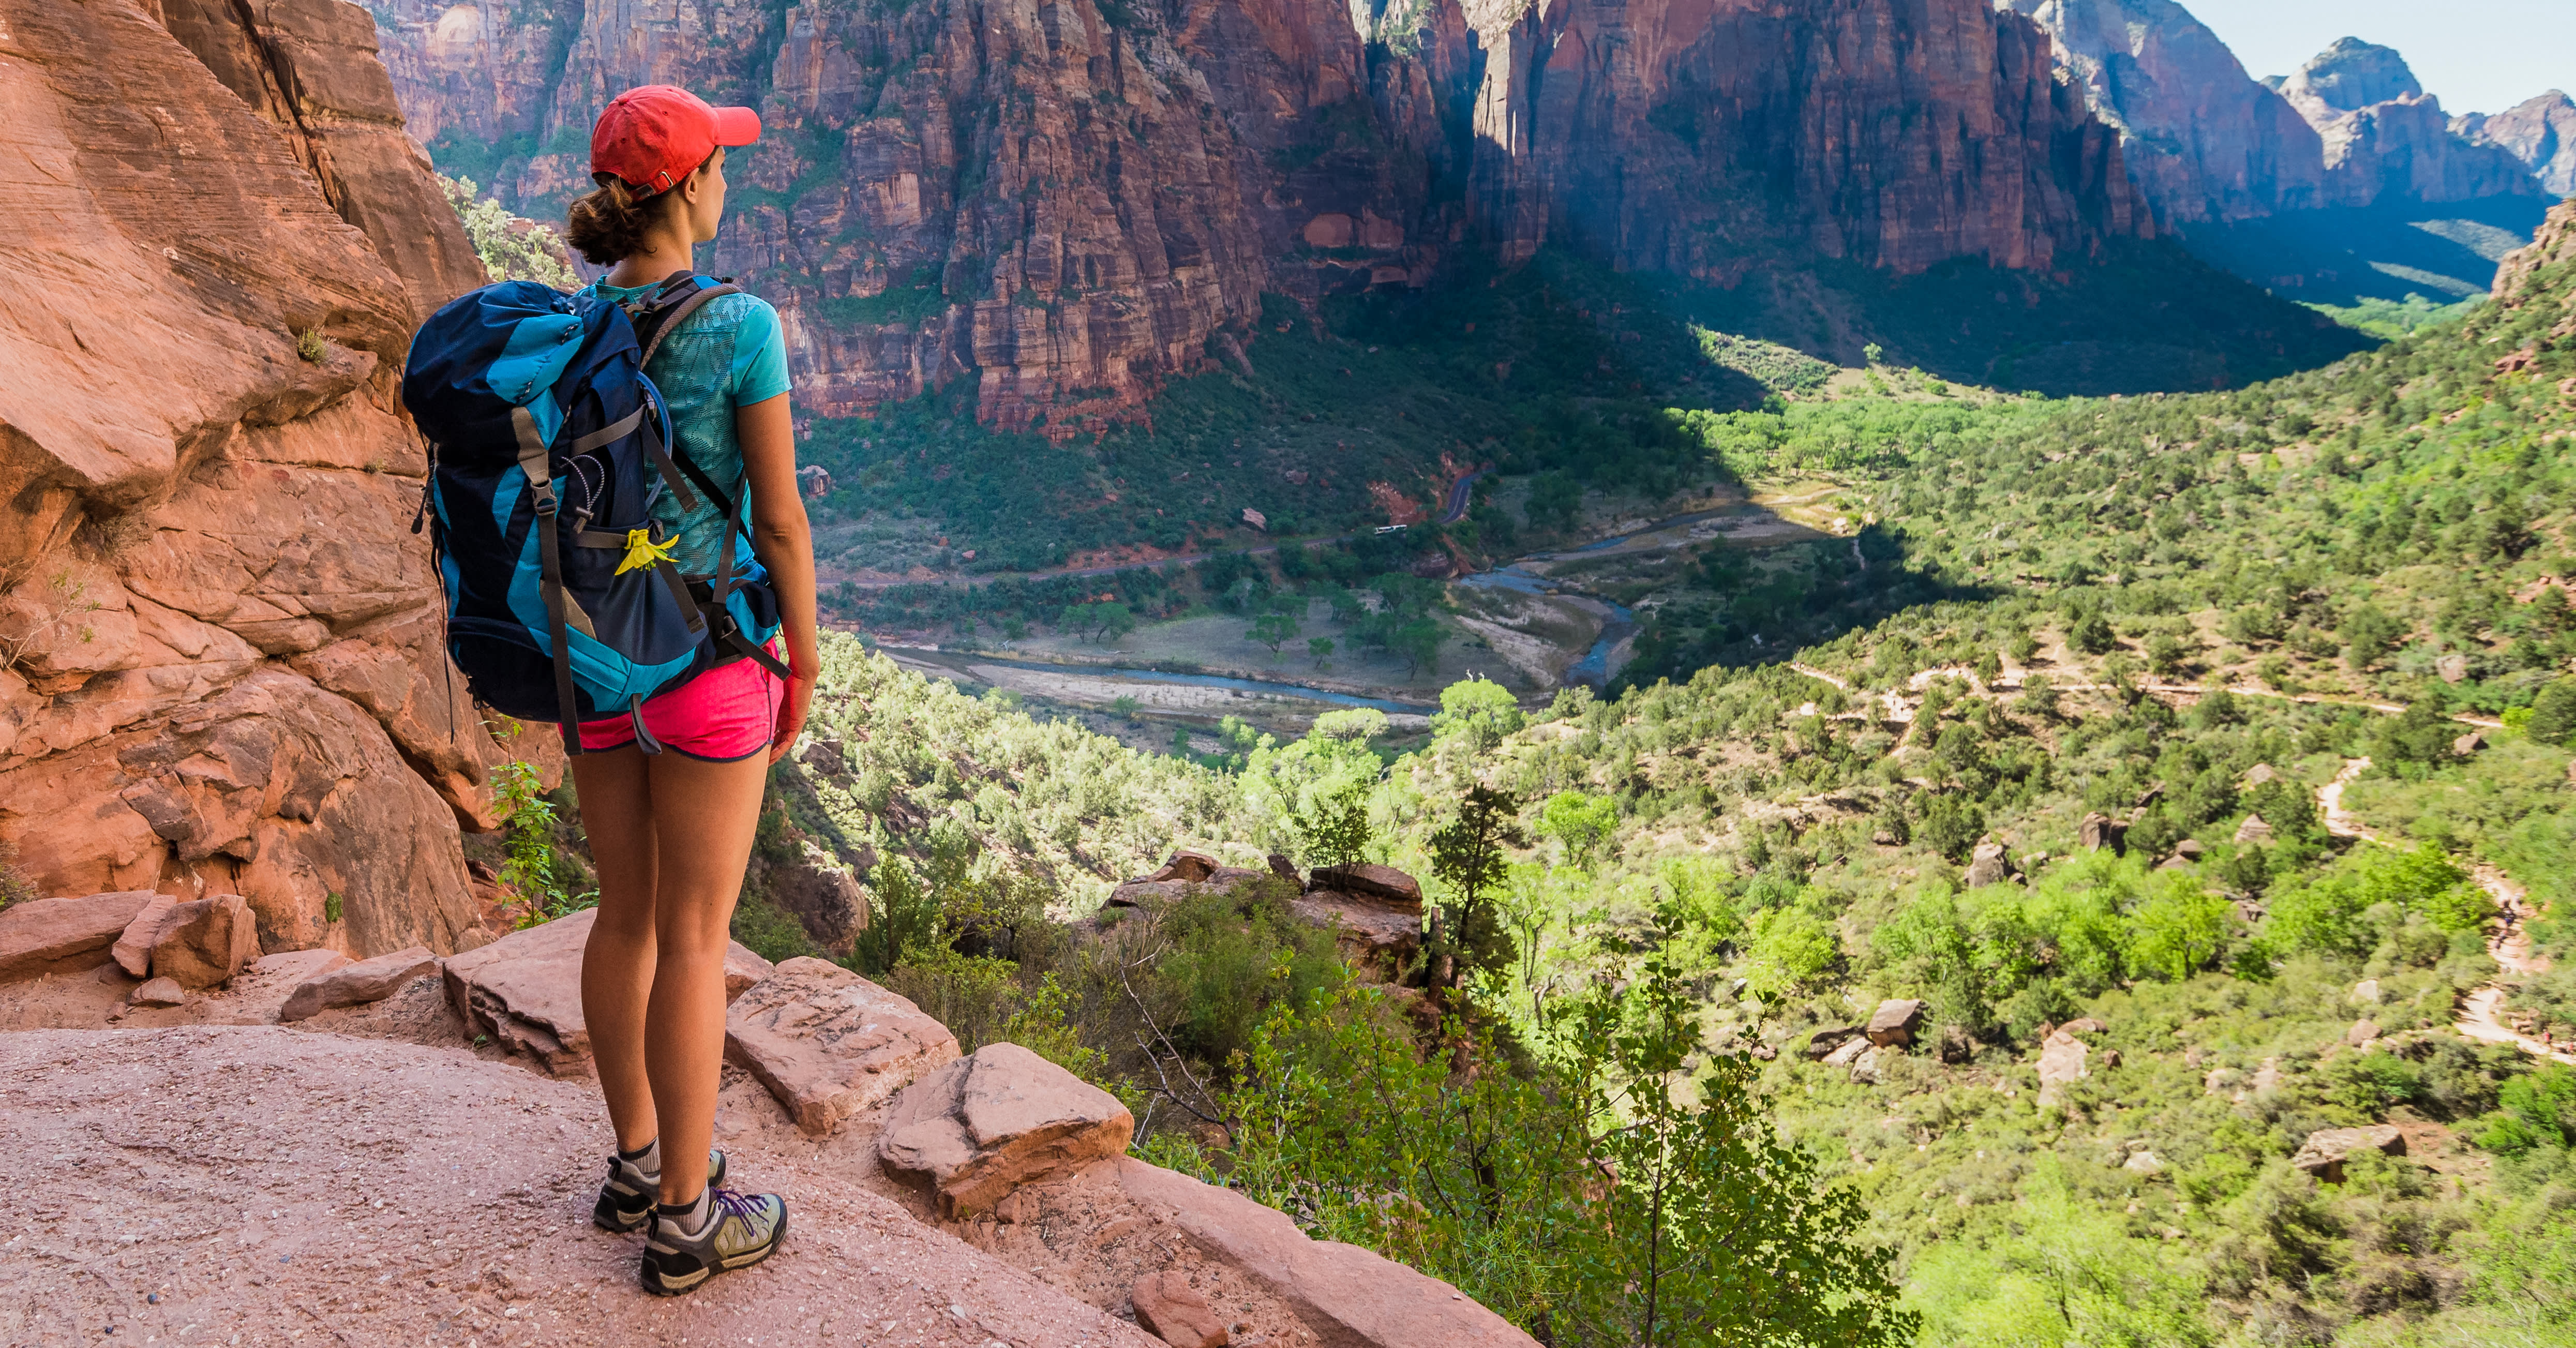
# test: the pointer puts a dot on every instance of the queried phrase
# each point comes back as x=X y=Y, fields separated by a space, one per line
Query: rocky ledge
x=395 y=1150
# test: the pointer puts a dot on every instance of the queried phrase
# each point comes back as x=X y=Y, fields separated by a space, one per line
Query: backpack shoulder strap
x=677 y=298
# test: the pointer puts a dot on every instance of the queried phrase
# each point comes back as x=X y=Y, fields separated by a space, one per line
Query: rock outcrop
x=357 y=984
x=2203 y=139
x=43 y=936
x=2324 y=1153
x=828 y=1043
x=2385 y=137
x=1895 y=1022
x=2540 y=132
x=225 y=673
x=202 y=943
x=983 y=1126
x=1068 y=203
x=524 y=990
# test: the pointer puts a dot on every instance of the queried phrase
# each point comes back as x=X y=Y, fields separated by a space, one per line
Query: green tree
x=1334 y=829
x=903 y=917
x=1579 y=822
x=1273 y=629
x=2180 y=929
x=2368 y=634
x=1478 y=713
x=1714 y=1229
x=1789 y=948
x=1320 y=650
x=1467 y=858
x=512 y=248
x=2091 y=634
x=2553 y=713
x=1417 y=643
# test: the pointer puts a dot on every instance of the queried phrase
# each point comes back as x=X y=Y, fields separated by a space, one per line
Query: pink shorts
x=725 y=715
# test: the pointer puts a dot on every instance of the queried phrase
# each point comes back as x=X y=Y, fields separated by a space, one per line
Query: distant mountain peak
x=2353 y=74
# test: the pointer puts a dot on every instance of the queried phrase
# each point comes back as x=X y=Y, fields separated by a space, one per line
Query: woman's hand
x=792 y=710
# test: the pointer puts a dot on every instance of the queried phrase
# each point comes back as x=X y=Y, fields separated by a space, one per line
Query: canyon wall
x=2541 y=132
x=219 y=659
x=1067 y=201
x=2386 y=138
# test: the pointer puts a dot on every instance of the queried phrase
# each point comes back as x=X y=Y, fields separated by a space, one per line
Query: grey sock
x=691 y=1218
x=647 y=1162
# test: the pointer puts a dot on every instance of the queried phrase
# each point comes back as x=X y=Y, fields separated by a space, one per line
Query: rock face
x=2554 y=242
x=2385 y=137
x=1067 y=203
x=524 y=990
x=830 y=1044
x=133 y=949
x=357 y=984
x=44 y=936
x=228 y=676
x=983 y=1126
x=1373 y=935
x=2327 y=1149
x=2203 y=140
x=2541 y=133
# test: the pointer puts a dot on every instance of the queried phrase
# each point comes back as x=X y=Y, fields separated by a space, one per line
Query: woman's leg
x=703 y=817
x=617 y=965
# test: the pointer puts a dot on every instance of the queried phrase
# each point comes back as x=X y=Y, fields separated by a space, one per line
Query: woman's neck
x=662 y=257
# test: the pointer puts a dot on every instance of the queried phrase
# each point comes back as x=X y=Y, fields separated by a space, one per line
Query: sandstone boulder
x=2083 y=1025
x=1829 y=1038
x=2143 y=1164
x=1148 y=893
x=204 y=942
x=1173 y=1311
x=2061 y=1062
x=830 y=1044
x=1187 y=865
x=1895 y=1021
x=2190 y=850
x=1987 y=866
x=133 y=950
x=822 y=894
x=1865 y=1065
x=1957 y=1045
x=2362 y=1032
x=2469 y=743
x=1230 y=878
x=2366 y=992
x=1369 y=880
x=2327 y=1149
x=524 y=990
x=357 y=984
x=43 y=936
x=2259 y=774
x=1848 y=1051
x=982 y=1126
x=2097 y=831
x=158 y=992
x=1348 y=1297
x=1286 y=870
x=2253 y=830
x=1375 y=936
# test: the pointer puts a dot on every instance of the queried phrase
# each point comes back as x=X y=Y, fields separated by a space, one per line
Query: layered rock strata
x=1066 y=203
x=219 y=660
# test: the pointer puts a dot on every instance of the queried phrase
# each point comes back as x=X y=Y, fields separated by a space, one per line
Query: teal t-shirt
x=730 y=354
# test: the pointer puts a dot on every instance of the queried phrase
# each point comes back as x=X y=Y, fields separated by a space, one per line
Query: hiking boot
x=720 y=1232
x=626 y=1200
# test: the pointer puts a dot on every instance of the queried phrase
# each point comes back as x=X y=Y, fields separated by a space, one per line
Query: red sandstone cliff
x=1066 y=201
x=219 y=658
x=2541 y=132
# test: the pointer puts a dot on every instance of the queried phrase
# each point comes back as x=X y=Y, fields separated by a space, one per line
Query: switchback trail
x=2509 y=946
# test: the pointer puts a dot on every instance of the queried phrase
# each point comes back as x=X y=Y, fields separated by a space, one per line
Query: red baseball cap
x=655 y=135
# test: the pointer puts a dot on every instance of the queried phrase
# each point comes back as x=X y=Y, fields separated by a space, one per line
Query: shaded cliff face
x=2540 y=132
x=219 y=659
x=1067 y=202
x=2203 y=139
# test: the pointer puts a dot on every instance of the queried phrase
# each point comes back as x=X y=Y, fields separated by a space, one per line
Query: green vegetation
x=2392 y=319
x=512 y=249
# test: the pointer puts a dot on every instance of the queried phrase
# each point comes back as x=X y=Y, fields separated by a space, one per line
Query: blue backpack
x=547 y=452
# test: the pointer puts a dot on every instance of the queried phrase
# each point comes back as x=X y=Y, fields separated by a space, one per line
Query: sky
x=2474 y=55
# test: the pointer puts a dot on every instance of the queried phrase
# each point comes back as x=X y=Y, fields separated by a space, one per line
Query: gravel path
x=262 y=1185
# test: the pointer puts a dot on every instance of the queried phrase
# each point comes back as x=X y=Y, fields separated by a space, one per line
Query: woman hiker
x=671 y=832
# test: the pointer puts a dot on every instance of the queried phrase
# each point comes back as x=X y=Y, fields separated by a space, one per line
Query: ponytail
x=608 y=224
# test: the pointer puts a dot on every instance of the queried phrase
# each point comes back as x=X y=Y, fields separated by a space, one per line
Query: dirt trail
x=2510 y=946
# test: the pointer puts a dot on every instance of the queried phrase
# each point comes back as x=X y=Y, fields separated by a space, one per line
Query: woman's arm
x=784 y=543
